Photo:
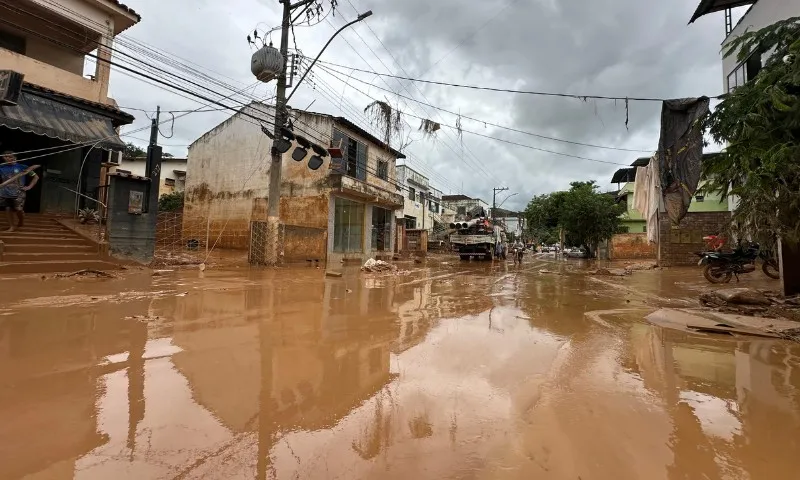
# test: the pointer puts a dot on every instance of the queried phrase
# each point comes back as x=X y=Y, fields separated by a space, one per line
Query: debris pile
x=748 y=301
x=613 y=272
x=633 y=267
x=377 y=266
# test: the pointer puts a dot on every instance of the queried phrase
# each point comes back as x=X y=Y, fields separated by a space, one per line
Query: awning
x=47 y=117
x=711 y=6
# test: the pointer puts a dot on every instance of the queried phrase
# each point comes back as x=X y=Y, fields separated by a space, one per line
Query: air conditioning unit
x=10 y=86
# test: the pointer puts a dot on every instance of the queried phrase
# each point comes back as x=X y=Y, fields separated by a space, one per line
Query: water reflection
x=473 y=374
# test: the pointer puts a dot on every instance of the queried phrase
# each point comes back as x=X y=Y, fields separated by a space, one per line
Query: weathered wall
x=130 y=236
x=678 y=243
x=227 y=184
x=631 y=246
x=168 y=167
x=228 y=180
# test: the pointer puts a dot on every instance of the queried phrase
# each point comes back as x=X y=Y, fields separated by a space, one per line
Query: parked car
x=575 y=253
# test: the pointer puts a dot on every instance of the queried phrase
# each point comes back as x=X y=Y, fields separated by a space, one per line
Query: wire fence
x=192 y=240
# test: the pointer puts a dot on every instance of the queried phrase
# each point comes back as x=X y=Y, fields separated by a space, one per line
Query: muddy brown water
x=461 y=371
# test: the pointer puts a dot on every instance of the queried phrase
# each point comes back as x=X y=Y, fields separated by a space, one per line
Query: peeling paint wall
x=228 y=183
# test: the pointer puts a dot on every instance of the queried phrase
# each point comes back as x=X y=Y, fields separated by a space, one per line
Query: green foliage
x=133 y=151
x=169 y=202
x=586 y=215
x=760 y=122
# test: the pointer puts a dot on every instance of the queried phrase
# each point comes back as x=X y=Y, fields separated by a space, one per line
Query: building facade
x=634 y=222
x=173 y=172
x=49 y=104
x=759 y=14
x=462 y=204
x=343 y=210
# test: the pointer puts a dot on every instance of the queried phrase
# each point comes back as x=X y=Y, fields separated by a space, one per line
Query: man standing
x=12 y=195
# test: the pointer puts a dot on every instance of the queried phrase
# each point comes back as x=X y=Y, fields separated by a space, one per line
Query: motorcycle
x=720 y=267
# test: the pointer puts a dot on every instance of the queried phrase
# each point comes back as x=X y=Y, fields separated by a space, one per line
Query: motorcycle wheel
x=771 y=269
x=717 y=274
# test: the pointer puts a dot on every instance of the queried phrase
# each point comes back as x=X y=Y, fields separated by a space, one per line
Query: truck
x=478 y=238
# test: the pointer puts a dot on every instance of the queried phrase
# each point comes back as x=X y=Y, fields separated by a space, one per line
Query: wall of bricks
x=679 y=243
x=631 y=246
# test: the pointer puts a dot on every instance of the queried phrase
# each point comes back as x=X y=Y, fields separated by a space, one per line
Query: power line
x=476 y=165
x=502 y=90
x=508 y=141
x=504 y=127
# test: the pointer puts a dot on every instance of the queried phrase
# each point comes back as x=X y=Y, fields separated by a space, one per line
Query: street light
x=504 y=200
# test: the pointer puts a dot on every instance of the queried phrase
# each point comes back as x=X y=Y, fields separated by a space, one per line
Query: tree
x=586 y=215
x=760 y=122
x=170 y=202
x=132 y=151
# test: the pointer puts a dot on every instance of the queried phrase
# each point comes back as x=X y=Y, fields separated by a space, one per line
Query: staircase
x=45 y=246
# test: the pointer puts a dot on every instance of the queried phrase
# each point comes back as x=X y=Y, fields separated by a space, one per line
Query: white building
x=423 y=207
x=461 y=204
x=173 y=172
x=760 y=14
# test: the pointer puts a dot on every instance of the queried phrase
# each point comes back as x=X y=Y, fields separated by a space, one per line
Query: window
x=699 y=198
x=462 y=210
x=745 y=72
x=12 y=42
x=436 y=208
x=644 y=229
x=412 y=194
x=383 y=170
x=348 y=225
x=411 y=222
x=354 y=156
x=170 y=182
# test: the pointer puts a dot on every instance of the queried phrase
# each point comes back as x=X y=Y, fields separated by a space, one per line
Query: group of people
x=16 y=180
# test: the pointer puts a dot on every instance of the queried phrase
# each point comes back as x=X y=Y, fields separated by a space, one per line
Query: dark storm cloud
x=614 y=47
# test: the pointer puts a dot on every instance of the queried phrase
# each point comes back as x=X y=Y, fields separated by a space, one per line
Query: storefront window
x=348 y=226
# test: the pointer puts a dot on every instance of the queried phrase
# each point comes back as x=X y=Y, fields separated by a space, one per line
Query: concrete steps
x=45 y=246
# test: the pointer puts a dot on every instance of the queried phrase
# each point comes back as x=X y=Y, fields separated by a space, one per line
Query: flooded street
x=466 y=370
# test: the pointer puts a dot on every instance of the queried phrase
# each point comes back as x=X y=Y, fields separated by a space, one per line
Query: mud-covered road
x=454 y=371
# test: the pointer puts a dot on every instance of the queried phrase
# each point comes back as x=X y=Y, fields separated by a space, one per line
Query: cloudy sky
x=625 y=48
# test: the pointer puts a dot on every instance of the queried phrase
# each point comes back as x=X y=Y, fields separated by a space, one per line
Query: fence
x=182 y=240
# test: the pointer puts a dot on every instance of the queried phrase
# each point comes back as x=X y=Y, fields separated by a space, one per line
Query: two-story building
x=50 y=113
x=760 y=14
x=345 y=209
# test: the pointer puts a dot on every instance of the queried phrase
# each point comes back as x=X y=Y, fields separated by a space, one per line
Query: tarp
x=680 y=152
x=44 y=116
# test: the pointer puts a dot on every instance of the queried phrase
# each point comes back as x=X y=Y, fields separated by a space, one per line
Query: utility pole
x=153 y=165
x=494 y=198
x=274 y=195
x=422 y=199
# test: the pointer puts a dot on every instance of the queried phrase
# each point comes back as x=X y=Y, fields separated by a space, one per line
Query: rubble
x=613 y=272
x=374 y=266
x=634 y=267
x=742 y=296
x=750 y=302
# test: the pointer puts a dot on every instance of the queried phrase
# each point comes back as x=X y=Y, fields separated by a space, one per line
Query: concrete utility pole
x=274 y=198
x=494 y=198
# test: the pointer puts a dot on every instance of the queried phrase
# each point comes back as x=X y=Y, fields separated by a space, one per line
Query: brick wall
x=678 y=243
x=631 y=246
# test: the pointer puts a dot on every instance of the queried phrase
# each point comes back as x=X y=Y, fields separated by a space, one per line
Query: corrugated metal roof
x=47 y=117
x=711 y=6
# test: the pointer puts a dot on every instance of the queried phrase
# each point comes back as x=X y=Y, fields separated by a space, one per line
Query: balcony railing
x=52 y=77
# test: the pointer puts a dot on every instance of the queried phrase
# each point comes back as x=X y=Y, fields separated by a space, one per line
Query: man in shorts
x=12 y=195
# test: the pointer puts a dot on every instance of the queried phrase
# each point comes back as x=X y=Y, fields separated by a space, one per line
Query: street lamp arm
x=504 y=200
x=358 y=19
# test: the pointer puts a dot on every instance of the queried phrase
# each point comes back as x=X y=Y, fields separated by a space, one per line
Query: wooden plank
x=20 y=174
x=723 y=328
